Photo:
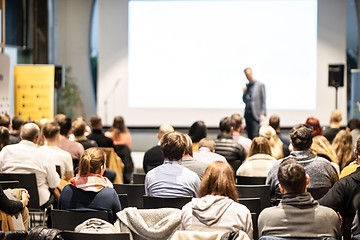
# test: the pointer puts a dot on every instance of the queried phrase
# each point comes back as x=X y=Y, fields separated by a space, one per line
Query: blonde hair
x=276 y=144
x=321 y=145
x=342 y=145
x=91 y=161
x=259 y=145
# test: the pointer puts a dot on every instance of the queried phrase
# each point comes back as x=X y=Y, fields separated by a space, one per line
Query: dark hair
x=91 y=161
x=315 y=123
x=50 y=130
x=236 y=120
x=4 y=120
x=225 y=124
x=274 y=122
x=353 y=124
x=4 y=137
x=259 y=145
x=219 y=180
x=291 y=176
x=173 y=145
x=189 y=147
x=64 y=123
x=78 y=127
x=17 y=122
x=95 y=122
x=118 y=126
x=301 y=136
x=197 y=131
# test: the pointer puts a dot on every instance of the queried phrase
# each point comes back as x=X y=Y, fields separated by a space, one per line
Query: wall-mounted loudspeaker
x=336 y=75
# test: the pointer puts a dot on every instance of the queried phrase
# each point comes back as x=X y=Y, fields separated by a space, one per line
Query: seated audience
x=171 y=179
x=4 y=137
x=97 y=134
x=334 y=128
x=298 y=215
x=25 y=157
x=119 y=133
x=206 y=152
x=189 y=162
x=226 y=146
x=154 y=156
x=89 y=190
x=349 y=169
x=78 y=129
x=51 y=133
x=315 y=123
x=259 y=160
x=237 y=129
x=343 y=147
x=274 y=122
x=5 y=121
x=17 y=123
x=197 y=131
x=320 y=170
x=217 y=208
x=278 y=149
x=353 y=127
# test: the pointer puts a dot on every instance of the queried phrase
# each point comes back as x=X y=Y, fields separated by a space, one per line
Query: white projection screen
x=183 y=61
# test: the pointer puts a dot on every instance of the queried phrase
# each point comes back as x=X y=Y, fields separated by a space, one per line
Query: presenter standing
x=255 y=104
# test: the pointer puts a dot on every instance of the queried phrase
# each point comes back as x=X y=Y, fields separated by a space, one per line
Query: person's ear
x=307 y=180
x=282 y=190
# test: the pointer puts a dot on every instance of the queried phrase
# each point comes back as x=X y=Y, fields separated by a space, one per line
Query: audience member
x=89 y=190
x=217 y=209
x=119 y=133
x=320 y=170
x=197 y=131
x=189 y=162
x=315 y=123
x=154 y=156
x=353 y=127
x=17 y=123
x=97 y=134
x=51 y=133
x=78 y=129
x=274 y=122
x=334 y=128
x=226 y=146
x=237 y=129
x=5 y=121
x=171 y=179
x=298 y=215
x=206 y=152
x=4 y=137
x=349 y=169
x=259 y=160
x=41 y=124
x=25 y=157
x=342 y=145
x=278 y=149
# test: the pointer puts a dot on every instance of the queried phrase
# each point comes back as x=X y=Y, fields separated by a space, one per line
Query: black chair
x=253 y=204
x=70 y=235
x=139 y=178
x=68 y=220
x=318 y=193
x=254 y=219
x=135 y=193
x=157 y=202
x=9 y=184
x=58 y=170
x=244 y=180
x=124 y=152
x=123 y=198
x=255 y=191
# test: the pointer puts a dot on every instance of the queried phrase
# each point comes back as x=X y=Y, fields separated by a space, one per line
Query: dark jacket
x=99 y=137
x=153 y=158
x=230 y=149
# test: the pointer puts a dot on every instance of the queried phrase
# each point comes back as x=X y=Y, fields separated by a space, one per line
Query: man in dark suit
x=255 y=104
x=97 y=134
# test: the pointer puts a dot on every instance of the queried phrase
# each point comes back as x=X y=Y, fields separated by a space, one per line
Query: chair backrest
x=70 y=235
x=245 y=180
x=157 y=202
x=139 y=178
x=27 y=181
x=253 y=204
x=58 y=170
x=9 y=184
x=135 y=193
x=68 y=220
x=123 y=198
x=255 y=191
x=318 y=193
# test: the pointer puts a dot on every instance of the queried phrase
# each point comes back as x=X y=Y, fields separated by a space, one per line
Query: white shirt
x=60 y=157
x=25 y=157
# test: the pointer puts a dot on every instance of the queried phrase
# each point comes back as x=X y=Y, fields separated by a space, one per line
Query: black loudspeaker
x=59 y=81
x=336 y=75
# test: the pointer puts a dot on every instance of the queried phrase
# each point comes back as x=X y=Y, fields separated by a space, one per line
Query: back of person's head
x=353 y=123
x=78 y=127
x=51 y=130
x=301 y=136
x=236 y=120
x=95 y=122
x=189 y=148
x=226 y=125
x=274 y=122
x=219 y=180
x=321 y=146
x=119 y=124
x=173 y=145
x=17 y=122
x=336 y=116
x=164 y=128
x=342 y=145
x=275 y=143
x=208 y=143
x=30 y=132
x=5 y=120
x=259 y=145
x=197 y=131
x=64 y=123
x=4 y=137
x=92 y=160
x=315 y=124
x=292 y=176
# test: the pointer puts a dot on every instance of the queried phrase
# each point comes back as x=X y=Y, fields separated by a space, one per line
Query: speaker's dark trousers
x=252 y=126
